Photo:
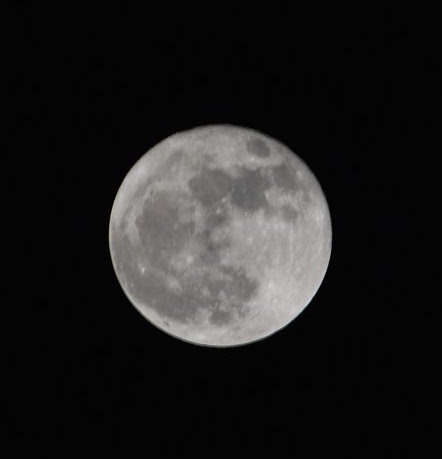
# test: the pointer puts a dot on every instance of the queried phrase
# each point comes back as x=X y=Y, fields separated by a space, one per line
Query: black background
x=90 y=93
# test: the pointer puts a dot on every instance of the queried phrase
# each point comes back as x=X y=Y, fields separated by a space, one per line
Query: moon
x=220 y=235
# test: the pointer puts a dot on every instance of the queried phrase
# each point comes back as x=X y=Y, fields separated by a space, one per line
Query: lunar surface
x=220 y=235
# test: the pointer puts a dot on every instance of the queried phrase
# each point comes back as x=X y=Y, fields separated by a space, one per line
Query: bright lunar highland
x=220 y=235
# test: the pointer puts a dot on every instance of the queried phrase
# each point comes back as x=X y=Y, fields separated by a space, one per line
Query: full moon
x=220 y=235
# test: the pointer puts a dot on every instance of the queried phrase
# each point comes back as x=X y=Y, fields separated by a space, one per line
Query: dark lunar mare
x=284 y=177
x=162 y=235
x=160 y=230
x=210 y=186
x=248 y=190
x=257 y=147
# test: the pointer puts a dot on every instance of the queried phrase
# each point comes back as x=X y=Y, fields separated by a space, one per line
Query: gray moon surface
x=220 y=235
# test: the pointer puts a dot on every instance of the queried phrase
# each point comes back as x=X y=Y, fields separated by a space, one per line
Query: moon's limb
x=220 y=235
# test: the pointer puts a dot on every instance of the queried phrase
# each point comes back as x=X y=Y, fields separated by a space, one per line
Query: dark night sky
x=89 y=369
